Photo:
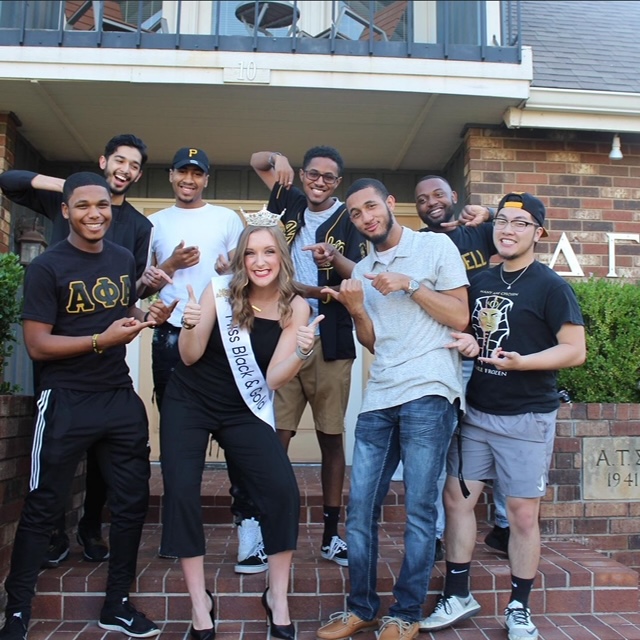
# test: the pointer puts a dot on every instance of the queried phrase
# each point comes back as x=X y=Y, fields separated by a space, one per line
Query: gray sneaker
x=448 y=611
x=518 y=622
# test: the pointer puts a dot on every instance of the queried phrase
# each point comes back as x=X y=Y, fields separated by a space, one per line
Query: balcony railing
x=439 y=29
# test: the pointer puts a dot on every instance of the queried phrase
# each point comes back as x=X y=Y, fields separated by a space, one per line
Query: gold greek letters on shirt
x=473 y=260
x=290 y=229
x=85 y=298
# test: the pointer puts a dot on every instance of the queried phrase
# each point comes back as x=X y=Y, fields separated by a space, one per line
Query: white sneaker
x=336 y=551
x=518 y=622
x=249 y=536
x=448 y=611
x=251 y=555
x=398 y=474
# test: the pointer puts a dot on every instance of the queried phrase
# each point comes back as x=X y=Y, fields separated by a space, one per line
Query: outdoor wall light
x=616 y=153
x=31 y=244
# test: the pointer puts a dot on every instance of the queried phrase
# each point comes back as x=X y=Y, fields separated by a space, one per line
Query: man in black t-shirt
x=435 y=204
x=78 y=316
x=435 y=200
x=526 y=325
x=122 y=163
x=324 y=247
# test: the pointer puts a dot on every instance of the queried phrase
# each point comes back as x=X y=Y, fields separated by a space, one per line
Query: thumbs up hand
x=192 y=310
x=305 y=335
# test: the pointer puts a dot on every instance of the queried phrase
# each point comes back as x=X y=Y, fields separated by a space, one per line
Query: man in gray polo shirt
x=411 y=285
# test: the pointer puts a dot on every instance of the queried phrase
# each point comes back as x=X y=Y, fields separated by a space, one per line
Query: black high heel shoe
x=206 y=634
x=282 y=631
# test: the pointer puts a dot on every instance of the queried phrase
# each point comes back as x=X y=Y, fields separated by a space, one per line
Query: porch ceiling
x=71 y=120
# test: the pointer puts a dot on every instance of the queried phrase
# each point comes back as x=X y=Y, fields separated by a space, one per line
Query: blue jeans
x=418 y=432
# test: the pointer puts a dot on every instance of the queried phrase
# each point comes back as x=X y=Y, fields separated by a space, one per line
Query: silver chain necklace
x=509 y=285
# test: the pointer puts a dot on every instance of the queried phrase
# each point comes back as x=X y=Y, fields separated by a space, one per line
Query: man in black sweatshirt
x=122 y=163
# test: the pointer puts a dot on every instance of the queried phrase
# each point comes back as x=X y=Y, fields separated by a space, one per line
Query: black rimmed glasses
x=519 y=226
x=328 y=178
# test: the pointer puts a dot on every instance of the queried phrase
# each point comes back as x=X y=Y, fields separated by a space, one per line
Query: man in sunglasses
x=324 y=246
x=527 y=324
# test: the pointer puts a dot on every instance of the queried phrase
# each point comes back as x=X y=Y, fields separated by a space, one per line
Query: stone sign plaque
x=611 y=468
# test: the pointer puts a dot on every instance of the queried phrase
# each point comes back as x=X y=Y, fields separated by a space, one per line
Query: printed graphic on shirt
x=290 y=229
x=85 y=297
x=490 y=319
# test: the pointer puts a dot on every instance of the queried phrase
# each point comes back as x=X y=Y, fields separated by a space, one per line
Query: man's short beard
x=380 y=239
x=449 y=213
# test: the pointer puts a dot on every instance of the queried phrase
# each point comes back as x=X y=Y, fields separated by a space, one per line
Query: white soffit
x=368 y=73
x=576 y=109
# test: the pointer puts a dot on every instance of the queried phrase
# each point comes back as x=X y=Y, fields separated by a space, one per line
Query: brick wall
x=8 y=135
x=610 y=526
x=16 y=425
x=586 y=193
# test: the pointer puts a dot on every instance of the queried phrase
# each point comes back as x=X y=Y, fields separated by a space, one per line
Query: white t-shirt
x=214 y=230
x=304 y=265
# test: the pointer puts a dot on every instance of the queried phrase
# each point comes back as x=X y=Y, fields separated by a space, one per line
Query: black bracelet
x=145 y=317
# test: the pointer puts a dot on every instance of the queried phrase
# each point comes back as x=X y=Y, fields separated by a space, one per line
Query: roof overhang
x=381 y=112
x=548 y=108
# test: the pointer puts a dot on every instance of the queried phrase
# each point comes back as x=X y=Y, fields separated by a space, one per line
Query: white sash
x=237 y=345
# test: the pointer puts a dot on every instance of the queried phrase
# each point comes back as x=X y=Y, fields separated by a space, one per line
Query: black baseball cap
x=187 y=155
x=528 y=203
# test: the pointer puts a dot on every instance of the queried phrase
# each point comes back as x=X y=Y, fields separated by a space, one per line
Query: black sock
x=456 y=582
x=520 y=589
x=331 y=519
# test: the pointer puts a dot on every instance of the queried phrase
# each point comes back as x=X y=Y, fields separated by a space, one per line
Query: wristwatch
x=414 y=285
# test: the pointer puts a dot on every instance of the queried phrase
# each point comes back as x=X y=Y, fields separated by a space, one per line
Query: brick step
x=216 y=501
x=571 y=579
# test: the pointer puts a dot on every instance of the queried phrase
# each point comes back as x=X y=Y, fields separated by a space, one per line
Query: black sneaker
x=439 y=555
x=124 y=617
x=95 y=549
x=58 y=550
x=14 y=628
x=256 y=562
x=336 y=551
x=498 y=539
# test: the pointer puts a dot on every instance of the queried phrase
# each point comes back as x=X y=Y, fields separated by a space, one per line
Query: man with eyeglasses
x=435 y=200
x=324 y=247
x=527 y=325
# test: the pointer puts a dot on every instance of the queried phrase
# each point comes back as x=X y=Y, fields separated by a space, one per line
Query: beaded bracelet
x=94 y=343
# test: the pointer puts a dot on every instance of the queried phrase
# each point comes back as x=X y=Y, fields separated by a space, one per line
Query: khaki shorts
x=324 y=386
x=516 y=450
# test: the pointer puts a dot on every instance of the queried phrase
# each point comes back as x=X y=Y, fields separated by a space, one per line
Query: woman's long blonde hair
x=243 y=315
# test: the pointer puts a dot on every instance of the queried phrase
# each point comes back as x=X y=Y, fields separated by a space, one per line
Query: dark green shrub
x=611 y=373
x=11 y=274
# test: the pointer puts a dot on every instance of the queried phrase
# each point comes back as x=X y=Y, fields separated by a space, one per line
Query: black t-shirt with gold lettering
x=81 y=294
x=475 y=245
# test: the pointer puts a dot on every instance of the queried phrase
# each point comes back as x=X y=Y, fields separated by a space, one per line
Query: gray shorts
x=514 y=449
